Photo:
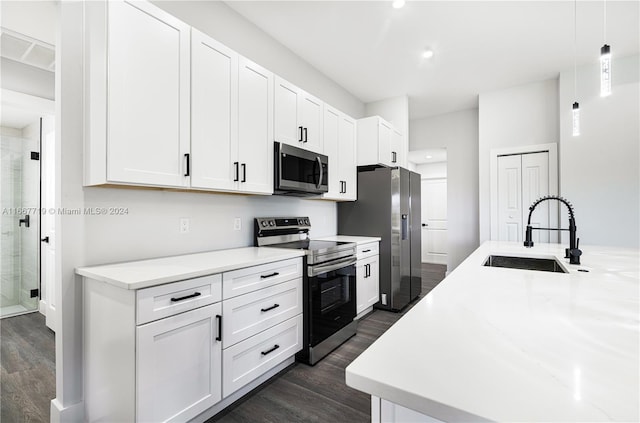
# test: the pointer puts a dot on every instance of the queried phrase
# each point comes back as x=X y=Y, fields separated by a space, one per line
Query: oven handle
x=334 y=265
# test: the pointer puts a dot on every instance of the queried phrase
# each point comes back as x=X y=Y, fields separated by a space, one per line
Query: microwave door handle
x=318 y=270
x=321 y=172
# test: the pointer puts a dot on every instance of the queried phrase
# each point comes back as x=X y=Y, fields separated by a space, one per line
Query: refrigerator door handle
x=405 y=226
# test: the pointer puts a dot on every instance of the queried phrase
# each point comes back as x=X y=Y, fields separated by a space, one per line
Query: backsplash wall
x=152 y=226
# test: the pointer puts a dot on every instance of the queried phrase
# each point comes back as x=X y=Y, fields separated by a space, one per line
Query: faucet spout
x=573 y=253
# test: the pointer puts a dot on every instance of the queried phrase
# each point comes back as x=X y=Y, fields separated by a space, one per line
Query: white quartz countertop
x=146 y=273
x=349 y=238
x=517 y=345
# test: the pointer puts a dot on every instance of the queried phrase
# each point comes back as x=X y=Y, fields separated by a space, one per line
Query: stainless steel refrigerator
x=388 y=206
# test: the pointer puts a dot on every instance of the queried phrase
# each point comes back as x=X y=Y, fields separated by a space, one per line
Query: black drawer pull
x=186 y=297
x=270 y=275
x=219 y=319
x=270 y=308
x=365 y=251
x=275 y=347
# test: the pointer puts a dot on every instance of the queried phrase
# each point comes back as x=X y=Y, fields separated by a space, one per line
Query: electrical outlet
x=184 y=225
x=384 y=299
x=237 y=224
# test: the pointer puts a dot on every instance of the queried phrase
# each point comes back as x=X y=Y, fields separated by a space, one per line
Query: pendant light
x=605 y=58
x=575 y=109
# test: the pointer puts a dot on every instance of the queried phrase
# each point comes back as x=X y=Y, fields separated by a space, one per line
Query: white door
x=434 y=221
x=384 y=144
x=347 y=158
x=148 y=95
x=522 y=179
x=255 y=129
x=47 y=244
x=373 y=282
x=535 y=184
x=179 y=365
x=510 y=198
x=331 y=136
x=288 y=128
x=396 y=147
x=214 y=114
x=311 y=121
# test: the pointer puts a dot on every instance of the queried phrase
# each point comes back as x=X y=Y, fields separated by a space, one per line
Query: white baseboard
x=71 y=414
x=42 y=307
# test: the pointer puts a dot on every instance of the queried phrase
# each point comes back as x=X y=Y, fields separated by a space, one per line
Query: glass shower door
x=19 y=219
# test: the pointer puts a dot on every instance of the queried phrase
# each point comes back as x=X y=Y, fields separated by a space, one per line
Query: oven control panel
x=296 y=223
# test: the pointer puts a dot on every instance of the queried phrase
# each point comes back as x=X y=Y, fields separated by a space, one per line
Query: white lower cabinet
x=383 y=411
x=179 y=365
x=367 y=278
x=171 y=352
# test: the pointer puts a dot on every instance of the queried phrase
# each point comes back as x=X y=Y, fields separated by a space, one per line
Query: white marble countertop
x=517 y=345
x=350 y=238
x=146 y=273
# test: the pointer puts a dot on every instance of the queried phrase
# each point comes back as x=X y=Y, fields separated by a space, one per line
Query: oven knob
x=272 y=223
x=306 y=221
x=264 y=223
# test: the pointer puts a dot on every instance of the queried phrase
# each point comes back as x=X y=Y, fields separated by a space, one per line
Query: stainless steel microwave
x=299 y=172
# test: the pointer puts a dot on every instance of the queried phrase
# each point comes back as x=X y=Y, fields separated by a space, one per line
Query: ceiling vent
x=27 y=50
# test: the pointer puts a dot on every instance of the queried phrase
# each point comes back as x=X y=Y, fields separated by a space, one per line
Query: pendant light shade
x=575 y=118
x=605 y=70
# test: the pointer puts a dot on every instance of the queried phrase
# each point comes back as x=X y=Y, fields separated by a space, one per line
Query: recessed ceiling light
x=397 y=4
x=427 y=54
x=429 y=157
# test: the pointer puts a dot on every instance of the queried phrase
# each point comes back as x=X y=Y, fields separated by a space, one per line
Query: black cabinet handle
x=269 y=308
x=186 y=297
x=236 y=166
x=300 y=128
x=275 y=347
x=394 y=157
x=305 y=135
x=366 y=251
x=187 y=157
x=345 y=187
x=368 y=270
x=219 y=319
x=269 y=275
x=244 y=172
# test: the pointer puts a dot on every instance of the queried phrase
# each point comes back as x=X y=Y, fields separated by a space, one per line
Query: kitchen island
x=501 y=344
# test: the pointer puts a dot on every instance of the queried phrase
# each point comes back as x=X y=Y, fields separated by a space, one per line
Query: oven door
x=332 y=298
x=300 y=171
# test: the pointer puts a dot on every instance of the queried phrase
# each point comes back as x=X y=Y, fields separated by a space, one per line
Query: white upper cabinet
x=214 y=114
x=139 y=120
x=379 y=143
x=255 y=130
x=298 y=117
x=340 y=146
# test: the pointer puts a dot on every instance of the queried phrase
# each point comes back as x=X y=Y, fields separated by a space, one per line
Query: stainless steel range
x=329 y=288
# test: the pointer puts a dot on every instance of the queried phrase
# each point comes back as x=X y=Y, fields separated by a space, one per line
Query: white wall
x=458 y=133
x=517 y=116
x=432 y=170
x=232 y=29
x=599 y=170
x=151 y=227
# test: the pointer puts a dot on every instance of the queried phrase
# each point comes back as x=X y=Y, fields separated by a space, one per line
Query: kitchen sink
x=525 y=263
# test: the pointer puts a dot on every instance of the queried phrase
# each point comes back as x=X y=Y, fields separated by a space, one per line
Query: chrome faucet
x=573 y=253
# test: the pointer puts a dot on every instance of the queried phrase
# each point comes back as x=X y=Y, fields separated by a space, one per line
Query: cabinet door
x=214 y=114
x=148 y=95
x=179 y=366
x=311 y=121
x=255 y=129
x=361 y=286
x=367 y=290
x=331 y=136
x=288 y=126
x=373 y=282
x=347 y=157
x=384 y=144
x=397 y=155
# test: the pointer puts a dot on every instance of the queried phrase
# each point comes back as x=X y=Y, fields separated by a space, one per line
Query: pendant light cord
x=604 y=23
x=575 y=48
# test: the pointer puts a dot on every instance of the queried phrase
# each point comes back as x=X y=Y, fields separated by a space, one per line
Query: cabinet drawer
x=252 y=357
x=249 y=314
x=368 y=250
x=250 y=279
x=166 y=300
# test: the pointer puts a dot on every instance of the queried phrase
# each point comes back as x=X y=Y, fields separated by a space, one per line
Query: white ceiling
x=374 y=51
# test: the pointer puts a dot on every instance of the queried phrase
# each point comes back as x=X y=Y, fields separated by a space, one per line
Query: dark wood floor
x=27 y=369
x=300 y=394
x=303 y=393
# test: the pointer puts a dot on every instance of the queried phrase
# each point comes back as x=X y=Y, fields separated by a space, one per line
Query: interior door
x=510 y=198
x=434 y=221
x=535 y=184
x=48 y=233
